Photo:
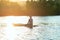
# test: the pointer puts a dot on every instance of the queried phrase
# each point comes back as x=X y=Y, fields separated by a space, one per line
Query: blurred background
x=30 y=7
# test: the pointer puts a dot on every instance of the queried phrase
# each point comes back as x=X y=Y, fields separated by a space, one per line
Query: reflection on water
x=48 y=28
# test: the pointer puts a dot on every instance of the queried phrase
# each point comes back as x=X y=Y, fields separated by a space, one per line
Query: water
x=48 y=29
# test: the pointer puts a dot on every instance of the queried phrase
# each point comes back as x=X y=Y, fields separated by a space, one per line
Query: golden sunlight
x=21 y=0
x=16 y=0
x=22 y=3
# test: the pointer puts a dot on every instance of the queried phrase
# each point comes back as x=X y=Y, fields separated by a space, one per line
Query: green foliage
x=51 y=7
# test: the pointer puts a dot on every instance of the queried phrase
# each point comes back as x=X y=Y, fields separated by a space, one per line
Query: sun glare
x=10 y=31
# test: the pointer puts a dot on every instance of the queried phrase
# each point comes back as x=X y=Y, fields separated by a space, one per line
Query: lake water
x=48 y=28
